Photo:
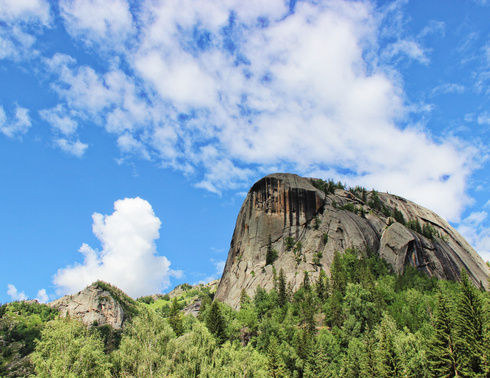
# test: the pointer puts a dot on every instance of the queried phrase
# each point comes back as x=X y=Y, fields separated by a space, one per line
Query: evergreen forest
x=362 y=321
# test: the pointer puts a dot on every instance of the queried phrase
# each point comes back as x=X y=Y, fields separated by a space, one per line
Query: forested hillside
x=363 y=321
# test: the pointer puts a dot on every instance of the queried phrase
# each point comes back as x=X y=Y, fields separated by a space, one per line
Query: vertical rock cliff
x=305 y=225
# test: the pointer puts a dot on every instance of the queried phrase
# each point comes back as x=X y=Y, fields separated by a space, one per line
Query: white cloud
x=128 y=258
x=219 y=267
x=42 y=297
x=14 y=294
x=484 y=118
x=128 y=144
x=448 y=88
x=227 y=96
x=72 y=147
x=25 y=10
x=411 y=49
x=20 y=22
x=59 y=120
x=17 y=126
x=474 y=229
x=98 y=20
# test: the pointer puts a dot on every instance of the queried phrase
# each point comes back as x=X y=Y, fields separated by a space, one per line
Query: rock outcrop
x=306 y=223
x=94 y=305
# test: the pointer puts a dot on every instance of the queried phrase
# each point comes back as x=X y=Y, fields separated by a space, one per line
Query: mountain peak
x=301 y=222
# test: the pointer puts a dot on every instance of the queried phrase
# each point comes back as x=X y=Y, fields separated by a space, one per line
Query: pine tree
x=306 y=281
x=281 y=289
x=389 y=362
x=276 y=365
x=442 y=352
x=334 y=311
x=320 y=285
x=471 y=323
x=244 y=298
x=271 y=255
x=216 y=323
x=308 y=312
x=368 y=358
x=175 y=318
x=338 y=274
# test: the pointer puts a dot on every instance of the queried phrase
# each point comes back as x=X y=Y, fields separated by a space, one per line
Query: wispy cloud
x=219 y=266
x=20 y=22
x=448 y=88
x=228 y=91
x=478 y=235
x=17 y=125
x=128 y=258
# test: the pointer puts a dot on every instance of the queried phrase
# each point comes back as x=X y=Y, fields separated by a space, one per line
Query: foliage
x=148 y=299
x=128 y=304
x=361 y=321
x=289 y=243
x=398 y=215
x=143 y=345
x=271 y=255
x=69 y=349
x=216 y=323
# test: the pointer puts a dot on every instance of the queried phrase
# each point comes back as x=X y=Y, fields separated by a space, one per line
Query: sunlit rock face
x=93 y=306
x=306 y=225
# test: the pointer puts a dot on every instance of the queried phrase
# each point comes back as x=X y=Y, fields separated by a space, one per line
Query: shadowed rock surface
x=306 y=225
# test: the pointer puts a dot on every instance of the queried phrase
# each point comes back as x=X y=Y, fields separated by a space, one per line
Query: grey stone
x=92 y=305
x=282 y=206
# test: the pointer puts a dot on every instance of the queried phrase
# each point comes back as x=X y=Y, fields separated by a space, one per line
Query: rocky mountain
x=97 y=304
x=299 y=223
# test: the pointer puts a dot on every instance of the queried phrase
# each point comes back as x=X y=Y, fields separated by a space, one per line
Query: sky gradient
x=130 y=131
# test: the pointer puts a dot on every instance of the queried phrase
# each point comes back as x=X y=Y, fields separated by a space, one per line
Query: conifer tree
x=443 y=356
x=244 y=298
x=175 y=318
x=308 y=310
x=271 y=254
x=389 y=363
x=333 y=310
x=276 y=365
x=320 y=285
x=306 y=281
x=368 y=358
x=216 y=323
x=471 y=323
x=281 y=289
x=338 y=274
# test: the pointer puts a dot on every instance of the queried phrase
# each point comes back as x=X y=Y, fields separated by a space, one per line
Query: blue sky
x=130 y=131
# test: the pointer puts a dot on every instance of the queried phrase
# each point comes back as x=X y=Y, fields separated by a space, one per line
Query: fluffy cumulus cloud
x=128 y=258
x=15 y=294
x=42 y=296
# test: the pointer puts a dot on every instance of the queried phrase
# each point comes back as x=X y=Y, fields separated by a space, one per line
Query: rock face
x=305 y=225
x=92 y=305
